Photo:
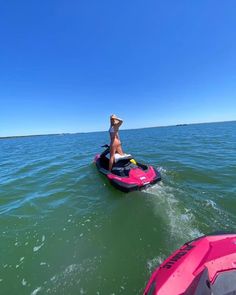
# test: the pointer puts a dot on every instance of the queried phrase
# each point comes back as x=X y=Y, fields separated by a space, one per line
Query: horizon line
x=82 y=132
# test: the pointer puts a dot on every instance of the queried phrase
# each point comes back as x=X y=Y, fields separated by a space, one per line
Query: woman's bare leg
x=119 y=150
x=112 y=157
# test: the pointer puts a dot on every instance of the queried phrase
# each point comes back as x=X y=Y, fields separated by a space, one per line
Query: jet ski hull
x=204 y=266
x=126 y=176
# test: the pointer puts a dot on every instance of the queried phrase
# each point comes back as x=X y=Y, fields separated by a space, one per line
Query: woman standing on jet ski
x=115 y=144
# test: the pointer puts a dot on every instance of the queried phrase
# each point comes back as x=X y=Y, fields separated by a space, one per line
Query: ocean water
x=66 y=230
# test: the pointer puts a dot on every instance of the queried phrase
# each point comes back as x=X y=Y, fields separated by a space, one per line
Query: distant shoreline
x=68 y=133
x=33 y=135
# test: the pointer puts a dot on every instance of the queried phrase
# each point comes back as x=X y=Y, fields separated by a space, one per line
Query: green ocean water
x=65 y=230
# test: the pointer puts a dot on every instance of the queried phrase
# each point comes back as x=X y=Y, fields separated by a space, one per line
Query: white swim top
x=111 y=130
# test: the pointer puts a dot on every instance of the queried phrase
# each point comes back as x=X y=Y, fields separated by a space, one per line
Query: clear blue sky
x=66 y=65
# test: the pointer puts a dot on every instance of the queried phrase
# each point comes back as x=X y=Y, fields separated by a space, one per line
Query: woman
x=115 y=145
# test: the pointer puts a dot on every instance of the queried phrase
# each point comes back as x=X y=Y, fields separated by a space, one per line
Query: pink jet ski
x=127 y=175
x=204 y=266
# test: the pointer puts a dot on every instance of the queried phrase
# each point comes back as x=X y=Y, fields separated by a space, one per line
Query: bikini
x=111 y=130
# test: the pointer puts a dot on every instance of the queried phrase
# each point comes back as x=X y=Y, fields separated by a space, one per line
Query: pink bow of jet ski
x=204 y=266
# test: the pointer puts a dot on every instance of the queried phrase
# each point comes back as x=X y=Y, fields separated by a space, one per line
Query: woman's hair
x=112 y=119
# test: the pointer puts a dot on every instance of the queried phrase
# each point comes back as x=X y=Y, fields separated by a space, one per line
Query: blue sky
x=65 y=66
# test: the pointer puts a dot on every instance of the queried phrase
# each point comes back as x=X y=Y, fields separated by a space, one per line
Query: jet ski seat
x=119 y=157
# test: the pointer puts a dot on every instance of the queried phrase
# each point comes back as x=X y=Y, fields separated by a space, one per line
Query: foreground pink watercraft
x=127 y=174
x=205 y=266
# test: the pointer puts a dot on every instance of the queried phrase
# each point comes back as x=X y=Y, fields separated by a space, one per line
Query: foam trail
x=155 y=262
x=180 y=220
